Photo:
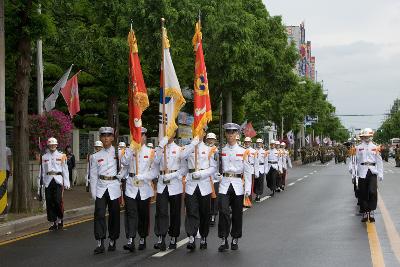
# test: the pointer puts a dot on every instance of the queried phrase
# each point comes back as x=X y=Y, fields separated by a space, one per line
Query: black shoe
x=172 y=245
x=283 y=188
x=234 y=244
x=203 y=243
x=112 y=247
x=224 y=246
x=273 y=193
x=371 y=219
x=53 y=227
x=278 y=190
x=60 y=226
x=212 y=220
x=257 y=198
x=99 y=249
x=191 y=245
x=130 y=247
x=364 y=218
x=142 y=244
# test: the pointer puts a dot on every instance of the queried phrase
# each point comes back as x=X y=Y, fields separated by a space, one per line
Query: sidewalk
x=77 y=203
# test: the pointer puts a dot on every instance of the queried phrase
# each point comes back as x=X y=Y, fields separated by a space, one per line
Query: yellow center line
x=375 y=246
x=391 y=230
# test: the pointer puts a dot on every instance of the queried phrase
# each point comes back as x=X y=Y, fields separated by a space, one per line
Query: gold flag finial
x=132 y=41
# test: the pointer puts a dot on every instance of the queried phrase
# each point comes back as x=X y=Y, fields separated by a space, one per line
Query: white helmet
x=366 y=132
x=283 y=144
x=259 y=140
x=150 y=145
x=98 y=144
x=52 y=141
x=277 y=143
x=122 y=144
x=211 y=136
x=247 y=139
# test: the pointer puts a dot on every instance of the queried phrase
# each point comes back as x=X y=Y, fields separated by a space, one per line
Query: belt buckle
x=195 y=179
x=166 y=182
x=137 y=182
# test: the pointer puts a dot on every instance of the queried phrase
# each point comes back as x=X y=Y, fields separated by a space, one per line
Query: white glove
x=196 y=175
x=380 y=178
x=119 y=177
x=195 y=141
x=66 y=187
x=163 y=142
x=218 y=177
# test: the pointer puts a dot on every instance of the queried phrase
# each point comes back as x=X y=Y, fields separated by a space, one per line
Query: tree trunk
x=113 y=116
x=22 y=192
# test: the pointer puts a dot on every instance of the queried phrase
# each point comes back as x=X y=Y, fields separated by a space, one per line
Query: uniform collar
x=232 y=147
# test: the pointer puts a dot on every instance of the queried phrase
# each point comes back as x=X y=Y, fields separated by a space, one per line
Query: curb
x=30 y=222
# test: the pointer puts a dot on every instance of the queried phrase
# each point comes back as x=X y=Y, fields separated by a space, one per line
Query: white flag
x=50 y=101
x=290 y=138
x=174 y=99
x=308 y=139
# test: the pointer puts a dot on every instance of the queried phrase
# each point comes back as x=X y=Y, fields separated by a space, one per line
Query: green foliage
x=390 y=128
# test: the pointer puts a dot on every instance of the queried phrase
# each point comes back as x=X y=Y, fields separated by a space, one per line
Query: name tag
x=223 y=154
x=146 y=157
x=58 y=159
x=100 y=160
x=174 y=152
x=361 y=149
x=239 y=155
x=46 y=160
x=203 y=152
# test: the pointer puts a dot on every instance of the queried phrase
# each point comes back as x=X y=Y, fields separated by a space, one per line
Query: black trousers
x=70 y=176
x=214 y=201
x=259 y=184
x=165 y=222
x=197 y=213
x=137 y=216
x=100 y=217
x=225 y=220
x=272 y=178
x=54 y=202
x=368 y=192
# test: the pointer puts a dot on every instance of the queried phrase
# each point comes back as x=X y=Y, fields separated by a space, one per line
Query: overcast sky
x=357 y=48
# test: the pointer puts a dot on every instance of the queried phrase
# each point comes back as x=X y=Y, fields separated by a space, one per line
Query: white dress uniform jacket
x=142 y=182
x=286 y=161
x=261 y=160
x=234 y=160
x=253 y=160
x=368 y=157
x=206 y=167
x=273 y=155
x=55 y=162
x=104 y=163
x=175 y=165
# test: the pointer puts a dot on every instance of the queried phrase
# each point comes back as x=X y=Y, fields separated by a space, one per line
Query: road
x=314 y=222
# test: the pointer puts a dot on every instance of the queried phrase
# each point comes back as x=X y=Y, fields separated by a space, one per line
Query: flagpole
x=163 y=91
x=196 y=148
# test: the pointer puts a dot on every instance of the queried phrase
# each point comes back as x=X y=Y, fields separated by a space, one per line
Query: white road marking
x=299 y=179
x=290 y=184
x=305 y=176
x=264 y=198
x=311 y=173
x=178 y=244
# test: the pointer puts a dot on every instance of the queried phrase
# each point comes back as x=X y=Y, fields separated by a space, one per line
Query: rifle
x=221 y=137
x=40 y=189
x=88 y=174
x=123 y=182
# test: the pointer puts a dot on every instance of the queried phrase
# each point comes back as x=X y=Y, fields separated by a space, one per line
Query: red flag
x=138 y=100
x=249 y=130
x=202 y=104
x=71 y=95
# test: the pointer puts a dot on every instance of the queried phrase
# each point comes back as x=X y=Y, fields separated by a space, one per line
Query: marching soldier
x=235 y=167
x=259 y=182
x=253 y=160
x=169 y=192
x=286 y=162
x=273 y=167
x=369 y=167
x=138 y=192
x=199 y=186
x=55 y=177
x=211 y=138
x=98 y=145
x=121 y=151
x=105 y=189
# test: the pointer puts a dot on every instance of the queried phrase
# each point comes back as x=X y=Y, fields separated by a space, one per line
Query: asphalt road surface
x=314 y=222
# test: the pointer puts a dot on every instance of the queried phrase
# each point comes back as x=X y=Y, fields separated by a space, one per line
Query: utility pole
x=39 y=72
x=3 y=156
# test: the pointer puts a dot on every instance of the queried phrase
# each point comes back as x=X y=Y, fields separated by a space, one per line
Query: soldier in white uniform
x=259 y=182
x=273 y=166
x=169 y=192
x=235 y=182
x=105 y=189
x=253 y=160
x=286 y=162
x=369 y=169
x=98 y=145
x=211 y=138
x=55 y=177
x=138 y=192
x=198 y=190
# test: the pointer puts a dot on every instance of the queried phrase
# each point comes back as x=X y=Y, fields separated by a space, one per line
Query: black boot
x=100 y=247
x=257 y=198
x=142 y=243
x=172 y=243
x=160 y=244
x=130 y=246
x=203 y=243
x=212 y=220
x=60 y=225
x=371 y=217
x=53 y=227
x=112 y=246
x=224 y=245
x=234 y=244
x=365 y=217
x=192 y=243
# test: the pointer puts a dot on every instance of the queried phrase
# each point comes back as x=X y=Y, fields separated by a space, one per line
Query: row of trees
x=390 y=128
x=248 y=58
